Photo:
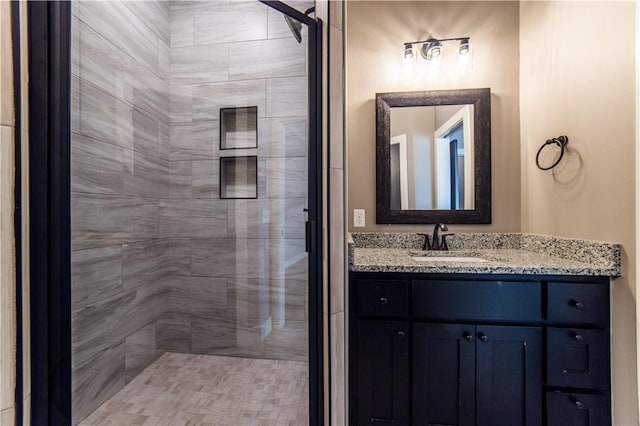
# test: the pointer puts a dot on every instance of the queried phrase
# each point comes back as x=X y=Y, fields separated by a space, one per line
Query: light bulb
x=465 y=47
x=408 y=52
x=432 y=49
x=465 y=56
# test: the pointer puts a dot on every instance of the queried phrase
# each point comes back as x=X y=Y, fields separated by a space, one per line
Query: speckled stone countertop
x=502 y=254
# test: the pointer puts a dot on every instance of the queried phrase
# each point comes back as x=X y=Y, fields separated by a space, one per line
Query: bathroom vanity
x=515 y=336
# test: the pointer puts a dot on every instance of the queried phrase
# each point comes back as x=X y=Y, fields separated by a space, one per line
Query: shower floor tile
x=182 y=389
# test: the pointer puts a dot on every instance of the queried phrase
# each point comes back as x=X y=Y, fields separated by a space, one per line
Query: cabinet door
x=443 y=374
x=509 y=376
x=382 y=396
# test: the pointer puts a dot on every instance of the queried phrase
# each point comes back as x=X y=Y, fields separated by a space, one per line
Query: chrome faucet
x=436 y=243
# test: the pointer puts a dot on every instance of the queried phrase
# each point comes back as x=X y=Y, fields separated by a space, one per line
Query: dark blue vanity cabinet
x=383 y=333
x=482 y=350
x=384 y=375
x=473 y=375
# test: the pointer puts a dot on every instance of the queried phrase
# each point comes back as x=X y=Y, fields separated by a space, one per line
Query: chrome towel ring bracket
x=561 y=141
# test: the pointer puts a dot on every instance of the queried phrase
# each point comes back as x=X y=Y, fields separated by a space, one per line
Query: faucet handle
x=443 y=245
x=427 y=243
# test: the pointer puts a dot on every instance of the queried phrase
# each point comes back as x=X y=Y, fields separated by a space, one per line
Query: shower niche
x=239 y=128
x=238 y=131
x=239 y=177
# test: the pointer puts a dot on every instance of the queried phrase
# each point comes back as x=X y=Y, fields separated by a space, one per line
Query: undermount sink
x=448 y=259
x=447 y=256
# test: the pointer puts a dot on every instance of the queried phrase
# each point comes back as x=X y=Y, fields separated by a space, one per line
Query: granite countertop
x=502 y=254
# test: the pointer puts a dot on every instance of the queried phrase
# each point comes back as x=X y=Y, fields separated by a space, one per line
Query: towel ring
x=561 y=141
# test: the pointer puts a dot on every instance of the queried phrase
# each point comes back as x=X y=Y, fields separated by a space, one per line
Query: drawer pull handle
x=401 y=334
x=579 y=405
x=467 y=336
x=383 y=301
x=576 y=304
x=577 y=337
x=483 y=337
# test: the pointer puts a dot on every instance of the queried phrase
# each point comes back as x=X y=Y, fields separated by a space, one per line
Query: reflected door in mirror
x=399 y=173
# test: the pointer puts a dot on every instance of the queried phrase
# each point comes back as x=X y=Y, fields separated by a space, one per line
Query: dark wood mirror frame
x=481 y=100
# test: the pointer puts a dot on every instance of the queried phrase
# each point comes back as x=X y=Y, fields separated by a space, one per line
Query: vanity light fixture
x=433 y=48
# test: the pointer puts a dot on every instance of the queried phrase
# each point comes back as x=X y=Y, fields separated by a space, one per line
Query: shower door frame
x=49 y=33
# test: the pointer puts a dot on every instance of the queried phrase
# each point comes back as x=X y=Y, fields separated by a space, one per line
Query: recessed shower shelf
x=239 y=127
x=239 y=177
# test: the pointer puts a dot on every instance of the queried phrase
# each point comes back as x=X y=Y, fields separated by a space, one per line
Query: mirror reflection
x=431 y=157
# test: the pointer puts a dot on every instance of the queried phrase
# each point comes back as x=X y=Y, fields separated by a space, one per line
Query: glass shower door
x=190 y=177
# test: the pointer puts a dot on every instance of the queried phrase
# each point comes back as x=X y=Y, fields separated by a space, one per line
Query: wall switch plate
x=358 y=218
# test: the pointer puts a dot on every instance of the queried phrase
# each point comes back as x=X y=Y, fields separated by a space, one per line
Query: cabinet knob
x=576 y=304
x=400 y=334
x=383 y=301
x=579 y=405
x=467 y=336
x=483 y=337
x=577 y=337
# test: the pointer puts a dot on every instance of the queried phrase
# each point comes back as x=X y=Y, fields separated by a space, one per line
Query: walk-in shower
x=190 y=178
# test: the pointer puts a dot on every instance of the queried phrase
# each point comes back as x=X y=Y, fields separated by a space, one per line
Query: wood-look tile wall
x=7 y=205
x=160 y=262
x=337 y=230
x=26 y=283
x=120 y=182
x=241 y=290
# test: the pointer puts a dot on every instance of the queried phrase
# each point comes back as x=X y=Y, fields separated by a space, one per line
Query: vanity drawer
x=477 y=300
x=577 y=358
x=575 y=409
x=577 y=303
x=382 y=298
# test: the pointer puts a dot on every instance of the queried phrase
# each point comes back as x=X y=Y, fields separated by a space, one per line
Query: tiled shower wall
x=120 y=181
x=241 y=287
x=8 y=319
x=160 y=262
x=336 y=204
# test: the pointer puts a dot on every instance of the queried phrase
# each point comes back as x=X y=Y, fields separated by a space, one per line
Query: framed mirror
x=433 y=157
